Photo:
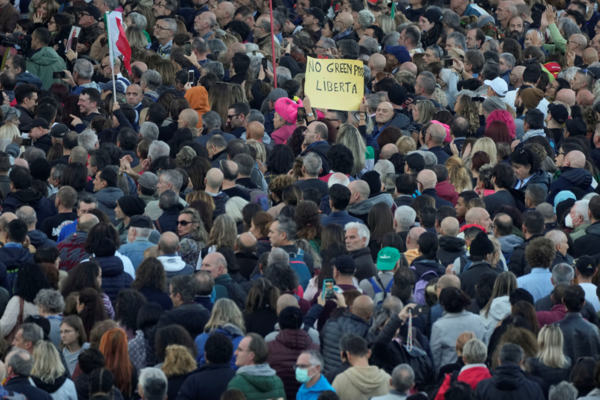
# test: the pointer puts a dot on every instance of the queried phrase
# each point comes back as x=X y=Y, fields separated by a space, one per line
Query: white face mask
x=569 y=221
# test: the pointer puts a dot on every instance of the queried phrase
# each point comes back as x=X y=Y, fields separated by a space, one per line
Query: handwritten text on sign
x=334 y=84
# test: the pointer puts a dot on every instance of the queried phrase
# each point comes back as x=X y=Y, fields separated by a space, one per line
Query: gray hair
x=168 y=198
x=24 y=215
x=154 y=383
x=32 y=333
x=459 y=39
x=412 y=33
x=57 y=171
x=157 y=149
x=87 y=199
x=87 y=139
x=216 y=44
x=200 y=45
x=328 y=43
x=569 y=27
x=333 y=180
x=493 y=44
x=475 y=351
x=581 y=208
x=151 y=78
x=51 y=301
x=562 y=273
x=283 y=75
x=312 y=164
x=563 y=391
x=174 y=178
x=405 y=217
x=255 y=64
x=315 y=357
x=511 y=353
x=366 y=70
x=403 y=378
x=111 y=4
x=245 y=164
x=509 y=59
x=142 y=232
x=211 y=120
x=384 y=167
x=362 y=230
x=216 y=67
x=278 y=255
x=171 y=25
x=371 y=44
x=84 y=68
x=33 y=153
x=149 y=130
x=286 y=225
x=438 y=52
x=451 y=19
x=365 y=18
x=139 y=20
x=391 y=39
x=20 y=361
x=253 y=115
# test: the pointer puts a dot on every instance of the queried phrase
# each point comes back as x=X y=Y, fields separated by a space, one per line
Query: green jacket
x=258 y=387
x=579 y=231
x=44 y=63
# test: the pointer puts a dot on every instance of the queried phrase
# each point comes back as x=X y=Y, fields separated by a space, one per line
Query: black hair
x=459 y=391
x=468 y=195
x=504 y=174
x=525 y=156
x=24 y=91
x=109 y=175
x=534 y=222
x=454 y=300
x=535 y=119
x=312 y=194
x=241 y=63
x=340 y=159
x=339 y=196
x=218 y=348
x=428 y=245
x=520 y=295
x=104 y=248
x=406 y=184
x=148 y=316
x=46 y=111
x=127 y=138
x=91 y=359
x=17 y=230
x=377 y=32
x=157 y=114
x=532 y=73
x=31 y=278
x=20 y=177
x=444 y=212
x=427 y=217
x=239 y=27
x=94 y=95
x=127 y=305
x=574 y=298
x=281 y=159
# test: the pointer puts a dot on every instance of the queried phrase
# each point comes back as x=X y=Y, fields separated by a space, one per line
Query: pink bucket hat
x=288 y=109
x=448 y=138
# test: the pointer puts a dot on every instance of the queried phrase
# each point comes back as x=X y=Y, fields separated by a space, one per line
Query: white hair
x=157 y=149
x=361 y=229
x=581 y=208
x=142 y=232
x=87 y=139
x=234 y=207
x=154 y=383
x=384 y=167
x=539 y=34
x=405 y=217
x=335 y=181
x=569 y=73
x=149 y=131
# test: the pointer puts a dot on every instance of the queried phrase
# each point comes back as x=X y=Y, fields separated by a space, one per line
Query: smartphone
x=448 y=62
x=191 y=76
x=188 y=49
x=74 y=42
x=328 y=291
x=26 y=142
x=58 y=75
x=301 y=114
x=264 y=63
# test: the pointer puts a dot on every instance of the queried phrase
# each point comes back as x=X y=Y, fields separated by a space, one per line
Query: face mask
x=587 y=9
x=569 y=221
x=302 y=375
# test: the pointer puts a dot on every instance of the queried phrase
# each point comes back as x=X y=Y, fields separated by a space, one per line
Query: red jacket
x=471 y=376
x=447 y=191
x=556 y=314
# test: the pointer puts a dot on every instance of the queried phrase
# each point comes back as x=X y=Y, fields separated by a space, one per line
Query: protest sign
x=334 y=84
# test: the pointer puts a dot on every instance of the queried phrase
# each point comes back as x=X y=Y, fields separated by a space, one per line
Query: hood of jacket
x=27 y=196
x=172 y=263
x=197 y=96
x=452 y=244
x=46 y=56
x=508 y=376
x=295 y=339
x=367 y=379
x=400 y=121
x=27 y=77
x=229 y=330
x=447 y=191
x=500 y=308
x=111 y=266
x=15 y=255
x=360 y=253
x=37 y=238
x=49 y=387
x=593 y=229
x=508 y=243
x=578 y=177
x=365 y=206
x=533 y=132
x=321 y=147
x=109 y=196
x=260 y=370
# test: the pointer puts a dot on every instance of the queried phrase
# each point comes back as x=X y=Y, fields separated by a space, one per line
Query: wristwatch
x=310 y=115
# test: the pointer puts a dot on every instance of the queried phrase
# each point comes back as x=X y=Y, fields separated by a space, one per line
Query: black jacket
x=261 y=321
x=207 y=383
x=552 y=376
x=333 y=330
x=365 y=268
x=220 y=200
x=587 y=245
x=191 y=316
x=450 y=249
x=21 y=385
x=319 y=148
x=82 y=386
x=469 y=278
x=44 y=143
x=167 y=222
x=246 y=263
x=438 y=200
x=581 y=337
x=517 y=264
x=508 y=382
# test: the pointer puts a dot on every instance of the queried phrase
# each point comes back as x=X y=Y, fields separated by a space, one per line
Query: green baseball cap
x=387 y=258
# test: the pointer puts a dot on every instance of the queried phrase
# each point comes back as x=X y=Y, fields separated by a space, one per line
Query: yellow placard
x=334 y=84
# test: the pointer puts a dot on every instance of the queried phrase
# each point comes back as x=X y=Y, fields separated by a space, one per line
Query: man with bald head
x=137 y=69
x=5 y=218
x=577 y=43
x=434 y=139
x=213 y=181
x=451 y=247
x=516 y=81
x=315 y=141
x=224 y=13
x=376 y=64
x=567 y=96
x=287 y=300
x=410 y=67
x=168 y=246
x=188 y=118
x=255 y=130
x=410 y=38
x=383 y=117
x=583 y=80
x=445 y=281
x=479 y=216
x=71 y=249
x=585 y=98
x=234 y=48
x=245 y=254
x=359 y=191
x=134 y=96
x=216 y=264
x=590 y=56
x=342 y=27
x=426 y=181
x=230 y=175
x=573 y=175
x=388 y=151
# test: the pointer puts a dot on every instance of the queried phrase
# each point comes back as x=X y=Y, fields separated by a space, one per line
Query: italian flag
x=117 y=41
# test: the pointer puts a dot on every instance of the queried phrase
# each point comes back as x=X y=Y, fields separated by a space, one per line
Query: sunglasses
x=183 y=223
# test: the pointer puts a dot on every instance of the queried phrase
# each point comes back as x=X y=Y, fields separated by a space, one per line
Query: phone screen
x=217 y=52
x=301 y=114
x=191 y=76
x=448 y=63
x=188 y=48
x=74 y=43
x=328 y=289
x=58 y=74
x=26 y=142
x=265 y=63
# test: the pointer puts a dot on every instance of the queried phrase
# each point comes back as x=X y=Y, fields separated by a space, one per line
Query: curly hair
x=458 y=175
x=31 y=278
x=469 y=110
x=173 y=334
x=504 y=117
x=308 y=220
x=223 y=232
x=296 y=139
x=127 y=306
x=540 y=253
x=282 y=276
x=150 y=274
x=280 y=160
x=519 y=336
x=178 y=361
x=279 y=183
x=100 y=231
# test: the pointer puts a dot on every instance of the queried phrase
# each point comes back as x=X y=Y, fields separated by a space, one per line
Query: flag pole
x=273 y=45
x=112 y=57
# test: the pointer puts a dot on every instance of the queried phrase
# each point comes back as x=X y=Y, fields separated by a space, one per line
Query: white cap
x=498 y=85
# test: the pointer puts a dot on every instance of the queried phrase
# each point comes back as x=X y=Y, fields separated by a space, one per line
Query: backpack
x=297 y=263
x=419 y=293
x=380 y=294
x=434 y=392
x=237 y=294
x=260 y=197
x=507 y=256
x=465 y=263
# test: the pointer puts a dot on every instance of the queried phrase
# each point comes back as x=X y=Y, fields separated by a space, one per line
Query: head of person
x=252 y=350
x=357 y=236
x=182 y=290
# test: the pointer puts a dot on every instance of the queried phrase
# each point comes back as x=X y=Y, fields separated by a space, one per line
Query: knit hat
x=148 y=180
x=397 y=95
x=140 y=221
x=564 y=207
x=531 y=97
x=400 y=52
x=276 y=94
x=288 y=109
x=433 y=15
x=481 y=245
x=131 y=205
x=576 y=127
x=387 y=258
x=290 y=318
x=344 y=264
x=373 y=179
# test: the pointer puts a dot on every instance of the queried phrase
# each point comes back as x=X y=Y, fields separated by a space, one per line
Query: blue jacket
x=338 y=217
x=441 y=155
x=438 y=200
x=569 y=178
x=12 y=258
x=167 y=222
x=135 y=250
x=231 y=331
x=114 y=278
x=67 y=230
x=39 y=239
x=29 y=197
x=22 y=385
x=313 y=393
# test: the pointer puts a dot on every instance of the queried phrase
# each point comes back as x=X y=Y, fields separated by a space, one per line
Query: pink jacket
x=281 y=135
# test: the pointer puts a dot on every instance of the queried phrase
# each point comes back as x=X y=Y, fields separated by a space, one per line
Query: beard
x=515 y=35
x=520 y=110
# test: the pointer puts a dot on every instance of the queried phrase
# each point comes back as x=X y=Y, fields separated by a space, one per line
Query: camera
x=18 y=40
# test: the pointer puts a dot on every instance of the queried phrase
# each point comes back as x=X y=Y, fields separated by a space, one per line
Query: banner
x=334 y=84
x=73 y=37
x=117 y=41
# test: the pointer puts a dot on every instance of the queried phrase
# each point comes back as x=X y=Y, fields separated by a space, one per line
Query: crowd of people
x=185 y=224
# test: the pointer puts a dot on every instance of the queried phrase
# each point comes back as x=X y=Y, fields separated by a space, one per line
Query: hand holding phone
x=191 y=76
x=301 y=114
x=59 y=75
x=328 y=293
x=264 y=63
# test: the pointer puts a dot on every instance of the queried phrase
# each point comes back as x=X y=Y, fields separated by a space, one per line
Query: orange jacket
x=198 y=99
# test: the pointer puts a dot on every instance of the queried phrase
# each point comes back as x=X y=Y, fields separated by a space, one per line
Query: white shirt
x=590 y=295
x=127 y=265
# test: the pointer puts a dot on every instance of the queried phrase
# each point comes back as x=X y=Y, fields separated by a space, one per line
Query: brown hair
x=262 y=222
x=150 y=274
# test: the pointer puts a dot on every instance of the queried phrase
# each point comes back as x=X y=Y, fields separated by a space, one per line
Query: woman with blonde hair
x=458 y=175
x=226 y=319
x=261 y=153
x=233 y=208
x=137 y=40
x=222 y=234
x=9 y=131
x=406 y=144
x=192 y=234
x=349 y=136
x=468 y=109
x=488 y=146
x=423 y=112
x=179 y=363
x=498 y=305
x=49 y=374
x=386 y=23
x=44 y=10
x=551 y=364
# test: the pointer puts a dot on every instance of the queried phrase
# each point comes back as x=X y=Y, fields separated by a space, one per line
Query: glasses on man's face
x=232 y=116
x=183 y=223
x=83 y=14
x=159 y=4
x=160 y=28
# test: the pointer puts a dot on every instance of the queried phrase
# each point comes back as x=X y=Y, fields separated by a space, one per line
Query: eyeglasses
x=303 y=366
x=160 y=28
x=183 y=223
x=233 y=116
x=84 y=14
x=163 y=5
